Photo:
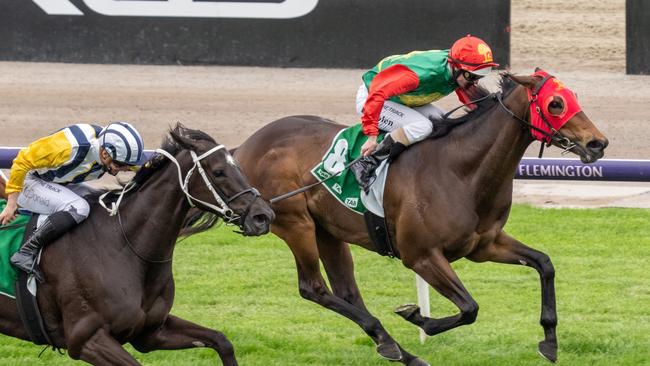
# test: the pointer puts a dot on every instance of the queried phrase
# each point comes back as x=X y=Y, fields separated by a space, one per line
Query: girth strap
x=27 y=303
x=379 y=235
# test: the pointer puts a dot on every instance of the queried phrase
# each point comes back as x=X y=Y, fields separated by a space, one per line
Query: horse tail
x=197 y=221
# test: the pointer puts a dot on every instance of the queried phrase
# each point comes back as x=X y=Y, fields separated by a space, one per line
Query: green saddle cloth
x=346 y=146
x=11 y=236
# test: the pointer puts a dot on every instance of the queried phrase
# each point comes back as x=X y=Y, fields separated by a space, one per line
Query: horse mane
x=505 y=85
x=172 y=145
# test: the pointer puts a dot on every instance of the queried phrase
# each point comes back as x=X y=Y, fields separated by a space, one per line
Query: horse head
x=556 y=117
x=213 y=182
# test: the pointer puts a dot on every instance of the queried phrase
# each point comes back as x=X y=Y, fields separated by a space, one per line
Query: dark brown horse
x=109 y=281
x=445 y=199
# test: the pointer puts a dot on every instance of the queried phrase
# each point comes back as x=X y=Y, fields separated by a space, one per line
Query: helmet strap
x=455 y=71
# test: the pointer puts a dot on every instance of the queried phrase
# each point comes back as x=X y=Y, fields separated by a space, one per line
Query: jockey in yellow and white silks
x=47 y=178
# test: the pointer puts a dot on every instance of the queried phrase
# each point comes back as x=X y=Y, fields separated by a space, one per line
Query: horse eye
x=218 y=173
x=555 y=105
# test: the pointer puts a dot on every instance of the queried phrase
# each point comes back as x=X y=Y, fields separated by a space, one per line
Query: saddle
x=341 y=184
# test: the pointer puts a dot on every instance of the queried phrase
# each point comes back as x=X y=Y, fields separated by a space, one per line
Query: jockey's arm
x=48 y=152
x=395 y=80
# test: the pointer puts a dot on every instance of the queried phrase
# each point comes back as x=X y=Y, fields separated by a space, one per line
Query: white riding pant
x=46 y=198
x=415 y=121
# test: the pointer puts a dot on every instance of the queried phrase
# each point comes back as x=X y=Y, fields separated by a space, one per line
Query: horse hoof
x=548 y=350
x=389 y=351
x=406 y=311
x=417 y=362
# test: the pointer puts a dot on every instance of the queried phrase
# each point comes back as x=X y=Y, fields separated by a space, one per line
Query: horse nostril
x=596 y=145
x=261 y=219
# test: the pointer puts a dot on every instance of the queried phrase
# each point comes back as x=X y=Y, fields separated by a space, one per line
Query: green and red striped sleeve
x=395 y=80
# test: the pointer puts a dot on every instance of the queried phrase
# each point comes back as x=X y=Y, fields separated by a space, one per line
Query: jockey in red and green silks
x=396 y=97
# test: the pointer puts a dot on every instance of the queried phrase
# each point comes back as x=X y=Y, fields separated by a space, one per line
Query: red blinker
x=552 y=87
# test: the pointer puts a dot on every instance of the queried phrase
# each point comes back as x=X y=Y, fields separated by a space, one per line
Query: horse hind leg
x=339 y=266
x=437 y=272
x=177 y=333
x=506 y=249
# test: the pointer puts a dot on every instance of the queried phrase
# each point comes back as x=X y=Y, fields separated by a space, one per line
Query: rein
x=553 y=136
x=310 y=186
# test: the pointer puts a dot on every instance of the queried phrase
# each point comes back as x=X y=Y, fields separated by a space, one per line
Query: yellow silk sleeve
x=48 y=152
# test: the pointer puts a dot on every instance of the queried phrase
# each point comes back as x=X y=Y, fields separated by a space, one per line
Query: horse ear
x=537 y=69
x=526 y=81
x=182 y=141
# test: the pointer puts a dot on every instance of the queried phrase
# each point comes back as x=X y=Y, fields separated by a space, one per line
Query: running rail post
x=423 y=302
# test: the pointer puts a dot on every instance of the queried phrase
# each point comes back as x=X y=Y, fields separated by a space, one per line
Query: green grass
x=246 y=287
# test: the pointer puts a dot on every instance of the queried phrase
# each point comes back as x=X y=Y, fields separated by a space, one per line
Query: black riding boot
x=364 y=169
x=52 y=228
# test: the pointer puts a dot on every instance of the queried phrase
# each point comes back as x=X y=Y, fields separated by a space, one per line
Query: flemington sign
x=627 y=170
x=544 y=169
x=283 y=9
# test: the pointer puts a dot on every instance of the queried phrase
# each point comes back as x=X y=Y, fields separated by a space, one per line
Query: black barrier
x=284 y=33
x=637 y=36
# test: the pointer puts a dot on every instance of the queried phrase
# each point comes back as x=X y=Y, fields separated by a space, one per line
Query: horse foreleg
x=299 y=233
x=339 y=266
x=177 y=333
x=438 y=273
x=103 y=350
x=507 y=249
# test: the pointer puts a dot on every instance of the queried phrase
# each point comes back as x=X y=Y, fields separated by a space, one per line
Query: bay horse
x=109 y=280
x=445 y=199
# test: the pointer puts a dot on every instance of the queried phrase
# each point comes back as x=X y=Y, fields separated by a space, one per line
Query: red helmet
x=472 y=54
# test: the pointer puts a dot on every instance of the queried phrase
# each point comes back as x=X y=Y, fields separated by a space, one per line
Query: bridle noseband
x=222 y=205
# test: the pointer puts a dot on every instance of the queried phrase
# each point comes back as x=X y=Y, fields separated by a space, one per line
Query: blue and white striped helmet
x=123 y=142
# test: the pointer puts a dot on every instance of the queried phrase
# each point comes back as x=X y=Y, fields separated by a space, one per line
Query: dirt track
x=584 y=45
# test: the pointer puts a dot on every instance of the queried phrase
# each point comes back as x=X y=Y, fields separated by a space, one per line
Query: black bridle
x=552 y=137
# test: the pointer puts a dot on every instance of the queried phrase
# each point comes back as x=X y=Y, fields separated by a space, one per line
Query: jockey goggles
x=471 y=77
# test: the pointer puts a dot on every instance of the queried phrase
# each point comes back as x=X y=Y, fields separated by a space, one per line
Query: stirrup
x=36 y=271
x=369 y=182
x=32 y=270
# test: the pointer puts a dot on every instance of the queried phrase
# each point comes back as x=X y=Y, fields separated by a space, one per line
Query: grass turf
x=247 y=288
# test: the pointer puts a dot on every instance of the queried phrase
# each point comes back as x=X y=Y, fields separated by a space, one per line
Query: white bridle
x=221 y=207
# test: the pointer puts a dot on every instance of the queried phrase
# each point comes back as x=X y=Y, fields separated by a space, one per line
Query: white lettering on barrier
x=58 y=7
x=184 y=8
x=560 y=171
